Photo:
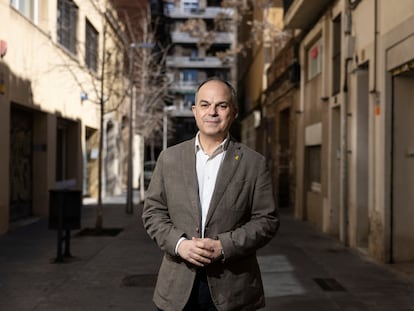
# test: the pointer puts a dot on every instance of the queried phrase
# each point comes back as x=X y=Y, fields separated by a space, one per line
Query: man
x=209 y=207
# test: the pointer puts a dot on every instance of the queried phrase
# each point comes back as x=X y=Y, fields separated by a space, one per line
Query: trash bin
x=65 y=209
x=64 y=215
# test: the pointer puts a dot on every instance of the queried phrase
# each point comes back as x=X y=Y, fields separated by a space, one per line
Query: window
x=336 y=56
x=91 y=47
x=314 y=167
x=189 y=5
x=67 y=24
x=189 y=100
x=28 y=8
x=190 y=75
x=315 y=59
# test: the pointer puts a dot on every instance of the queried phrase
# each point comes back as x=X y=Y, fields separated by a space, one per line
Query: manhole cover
x=140 y=280
x=100 y=232
x=330 y=285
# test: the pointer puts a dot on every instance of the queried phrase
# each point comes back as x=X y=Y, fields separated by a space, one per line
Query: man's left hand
x=213 y=246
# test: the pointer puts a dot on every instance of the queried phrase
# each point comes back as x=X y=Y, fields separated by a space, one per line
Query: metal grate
x=330 y=285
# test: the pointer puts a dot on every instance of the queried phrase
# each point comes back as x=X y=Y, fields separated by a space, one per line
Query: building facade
x=264 y=66
x=279 y=122
x=354 y=146
x=60 y=63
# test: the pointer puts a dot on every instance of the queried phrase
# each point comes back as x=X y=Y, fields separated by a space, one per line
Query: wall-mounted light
x=84 y=96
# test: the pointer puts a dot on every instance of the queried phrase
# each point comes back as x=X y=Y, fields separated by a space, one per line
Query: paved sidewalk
x=302 y=270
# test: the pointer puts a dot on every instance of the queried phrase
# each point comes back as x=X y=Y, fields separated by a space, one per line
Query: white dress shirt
x=207 y=170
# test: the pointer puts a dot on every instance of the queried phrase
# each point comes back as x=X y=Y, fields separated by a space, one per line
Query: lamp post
x=130 y=198
x=167 y=109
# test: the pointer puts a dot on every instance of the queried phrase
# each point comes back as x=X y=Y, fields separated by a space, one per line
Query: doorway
x=335 y=177
x=362 y=163
x=283 y=161
x=21 y=142
x=402 y=209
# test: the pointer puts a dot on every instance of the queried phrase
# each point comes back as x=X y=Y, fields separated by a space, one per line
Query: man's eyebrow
x=204 y=101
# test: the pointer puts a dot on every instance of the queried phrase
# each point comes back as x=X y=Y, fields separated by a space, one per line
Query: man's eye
x=204 y=105
x=223 y=106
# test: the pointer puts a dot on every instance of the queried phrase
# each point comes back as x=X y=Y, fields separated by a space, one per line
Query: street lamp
x=129 y=197
x=167 y=109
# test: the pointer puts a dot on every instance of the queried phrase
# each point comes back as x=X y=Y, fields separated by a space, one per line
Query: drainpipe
x=374 y=91
x=344 y=127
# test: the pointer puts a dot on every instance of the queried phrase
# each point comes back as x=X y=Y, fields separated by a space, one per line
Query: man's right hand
x=195 y=251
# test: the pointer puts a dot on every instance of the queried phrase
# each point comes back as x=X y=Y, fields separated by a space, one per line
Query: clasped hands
x=200 y=251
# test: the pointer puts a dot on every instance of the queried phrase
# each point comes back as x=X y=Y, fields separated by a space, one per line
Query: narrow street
x=302 y=270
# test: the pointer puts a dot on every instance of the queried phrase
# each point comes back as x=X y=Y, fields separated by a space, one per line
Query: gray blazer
x=242 y=215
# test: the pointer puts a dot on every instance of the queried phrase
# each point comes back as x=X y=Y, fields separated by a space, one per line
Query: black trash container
x=65 y=209
x=64 y=215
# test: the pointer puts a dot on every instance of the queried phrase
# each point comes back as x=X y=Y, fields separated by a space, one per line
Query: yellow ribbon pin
x=236 y=157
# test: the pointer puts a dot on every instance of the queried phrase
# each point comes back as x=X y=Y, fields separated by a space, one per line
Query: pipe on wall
x=344 y=127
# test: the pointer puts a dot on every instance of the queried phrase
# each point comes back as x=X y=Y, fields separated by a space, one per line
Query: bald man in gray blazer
x=210 y=207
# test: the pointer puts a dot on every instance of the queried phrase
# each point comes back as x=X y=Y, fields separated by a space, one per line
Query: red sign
x=3 y=48
x=314 y=52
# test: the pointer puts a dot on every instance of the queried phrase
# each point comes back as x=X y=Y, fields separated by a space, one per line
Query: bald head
x=230 y=88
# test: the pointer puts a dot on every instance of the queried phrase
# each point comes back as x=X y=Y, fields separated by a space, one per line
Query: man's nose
x=212 y=110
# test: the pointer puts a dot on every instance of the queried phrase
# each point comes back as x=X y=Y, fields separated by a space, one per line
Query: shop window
x=314 y=167
x=314 y=59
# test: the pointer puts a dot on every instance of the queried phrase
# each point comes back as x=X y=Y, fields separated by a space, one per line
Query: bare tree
x=108 y=83
x=240 y=14
x=104 y=83
x=149 y=78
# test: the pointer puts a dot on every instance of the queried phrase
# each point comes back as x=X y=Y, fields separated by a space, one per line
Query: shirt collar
x=220 y=148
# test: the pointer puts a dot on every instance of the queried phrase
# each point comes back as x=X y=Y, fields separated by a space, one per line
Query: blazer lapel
x=227 y=169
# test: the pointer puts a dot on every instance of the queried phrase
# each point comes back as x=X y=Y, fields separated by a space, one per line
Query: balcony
x=184 y=87
x=204 y=13
x=185 y=37
x=302 y=14
x=197 y=62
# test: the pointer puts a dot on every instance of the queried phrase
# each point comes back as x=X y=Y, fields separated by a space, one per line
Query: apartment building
x=60 y=63
x=197 y=39
x=353 y=117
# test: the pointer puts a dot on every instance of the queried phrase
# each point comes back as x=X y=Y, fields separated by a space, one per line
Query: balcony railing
x=205 y=13
x=300 y=14
x=187 y=87
x=198 y=62
x=185 y=37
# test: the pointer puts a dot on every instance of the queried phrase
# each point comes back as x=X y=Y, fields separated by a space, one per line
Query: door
x=403 y=168
x=21 y=137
